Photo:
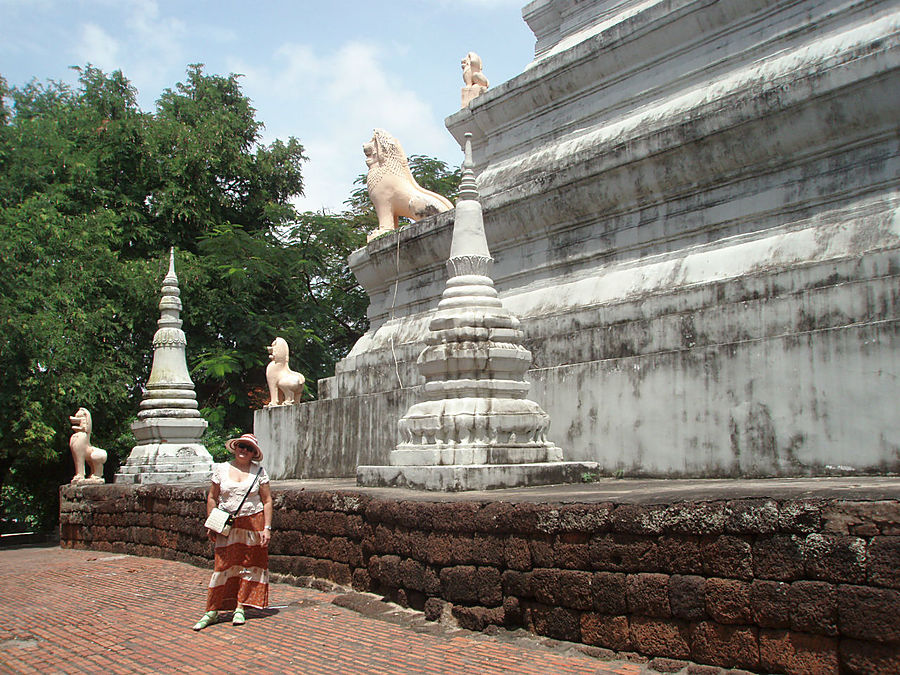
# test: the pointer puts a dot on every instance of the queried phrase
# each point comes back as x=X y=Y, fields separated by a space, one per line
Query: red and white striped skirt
x=241 y=573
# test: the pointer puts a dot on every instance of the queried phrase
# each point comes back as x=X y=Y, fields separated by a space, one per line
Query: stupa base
x=463 y=477
x=166 y=463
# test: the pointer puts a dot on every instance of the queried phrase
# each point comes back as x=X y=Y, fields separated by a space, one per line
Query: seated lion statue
x=82 y=450
x=285 y=385
x=392 y=188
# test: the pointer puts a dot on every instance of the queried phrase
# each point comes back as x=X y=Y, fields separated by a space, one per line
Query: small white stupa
x=169 y=425
x=476 y=428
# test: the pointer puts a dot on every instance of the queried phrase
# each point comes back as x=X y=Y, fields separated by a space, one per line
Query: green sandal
x=208 y=618
x=238 y=618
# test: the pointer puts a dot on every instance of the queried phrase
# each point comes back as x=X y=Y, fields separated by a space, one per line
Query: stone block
x=679 y=555
x=778 y=557
x=341 y=549
x=589 y=519
x=516 y=583
x=572 y=551
x=512 y=612
x=883 y=562
x=867 y=613
x=471 y=585
x=355 y=529
x=601 y=630
x=835 y=558
x=420 y=516
x=813 y=608
x=800 y=516
x=857 y=656
x=751 y=516
x=486 y=550
x=385 y=570
x=862 y=519
x=439 y=549
x=687 y=597
x=655 y=637
x=434 y=608
x=770 y=605
x=638 y=519
x=648 y=595
x=727 y=556
x=610 y=594
x=340 y=573
x=519 y=519
x=517 y=554
x=728 y=600
x=559 y=623
x=477 y=618
x=624 y=553
x=412 y=575
x=726 y=646
x=542 y=551
x=458 y=517
x=797 y=653
x=361 y=580
x=566 y=588
x=694 y=518
x=384 y=540
x=665 y=665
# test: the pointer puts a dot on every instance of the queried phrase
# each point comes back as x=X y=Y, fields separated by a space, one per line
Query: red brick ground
x=67 y=611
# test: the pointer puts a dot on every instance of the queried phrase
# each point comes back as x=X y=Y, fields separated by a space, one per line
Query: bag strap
x=247 y=494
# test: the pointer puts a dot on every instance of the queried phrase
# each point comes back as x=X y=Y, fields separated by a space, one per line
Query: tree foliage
x=93 y=192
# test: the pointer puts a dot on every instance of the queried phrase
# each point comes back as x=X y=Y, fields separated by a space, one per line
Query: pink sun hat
x=248 y=440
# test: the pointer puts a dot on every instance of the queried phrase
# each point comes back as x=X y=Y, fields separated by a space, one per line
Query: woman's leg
x=238 y=619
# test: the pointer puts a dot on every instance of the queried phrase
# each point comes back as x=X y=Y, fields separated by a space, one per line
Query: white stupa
x=169 y=425
x=476 y=429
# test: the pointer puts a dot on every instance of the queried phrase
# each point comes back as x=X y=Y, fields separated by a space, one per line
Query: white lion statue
x=392 y=188
x=83 y=451
x=285 y=385
x=475 y=80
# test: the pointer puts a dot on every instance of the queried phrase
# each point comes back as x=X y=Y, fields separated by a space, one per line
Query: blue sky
x=324 y=72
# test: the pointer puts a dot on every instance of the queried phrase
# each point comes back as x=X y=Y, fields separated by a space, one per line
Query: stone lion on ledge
x=392 y=188
x=285 y=385
x=82 y=450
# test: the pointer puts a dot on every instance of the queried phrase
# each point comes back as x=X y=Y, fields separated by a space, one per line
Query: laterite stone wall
x=776 y=586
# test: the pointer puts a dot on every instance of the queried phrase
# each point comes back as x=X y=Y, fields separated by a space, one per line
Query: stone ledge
x=461 y=477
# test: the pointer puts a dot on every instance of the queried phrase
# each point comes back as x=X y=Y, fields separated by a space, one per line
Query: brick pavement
x=69 y=611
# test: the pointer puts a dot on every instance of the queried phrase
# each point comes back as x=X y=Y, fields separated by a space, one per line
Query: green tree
x=93 y=191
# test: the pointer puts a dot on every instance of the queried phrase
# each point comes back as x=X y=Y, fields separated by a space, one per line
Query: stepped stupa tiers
x=476 y=428
x=169 y=425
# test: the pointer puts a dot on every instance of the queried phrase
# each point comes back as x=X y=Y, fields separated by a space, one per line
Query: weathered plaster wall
x=694 y=209
x=775 y=585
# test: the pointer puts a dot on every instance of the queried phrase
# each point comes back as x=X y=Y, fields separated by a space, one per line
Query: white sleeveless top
x=231 y=492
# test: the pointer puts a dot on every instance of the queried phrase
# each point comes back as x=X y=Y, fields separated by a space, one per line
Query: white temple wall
x=693 y=208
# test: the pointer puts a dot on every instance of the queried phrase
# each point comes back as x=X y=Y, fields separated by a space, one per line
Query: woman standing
x=241 y=573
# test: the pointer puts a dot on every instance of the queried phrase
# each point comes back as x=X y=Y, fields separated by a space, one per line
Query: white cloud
x=338 y=98
x=97 y=47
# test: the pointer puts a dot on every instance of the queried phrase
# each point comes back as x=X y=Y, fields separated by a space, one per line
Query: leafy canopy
x=93 y=192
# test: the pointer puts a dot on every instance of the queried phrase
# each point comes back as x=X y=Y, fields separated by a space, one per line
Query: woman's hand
x=265 y=537
x=212 y=535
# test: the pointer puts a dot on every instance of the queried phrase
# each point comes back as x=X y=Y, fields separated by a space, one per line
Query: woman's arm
x=212 y=498
x=265 y=496
x=212 y=501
